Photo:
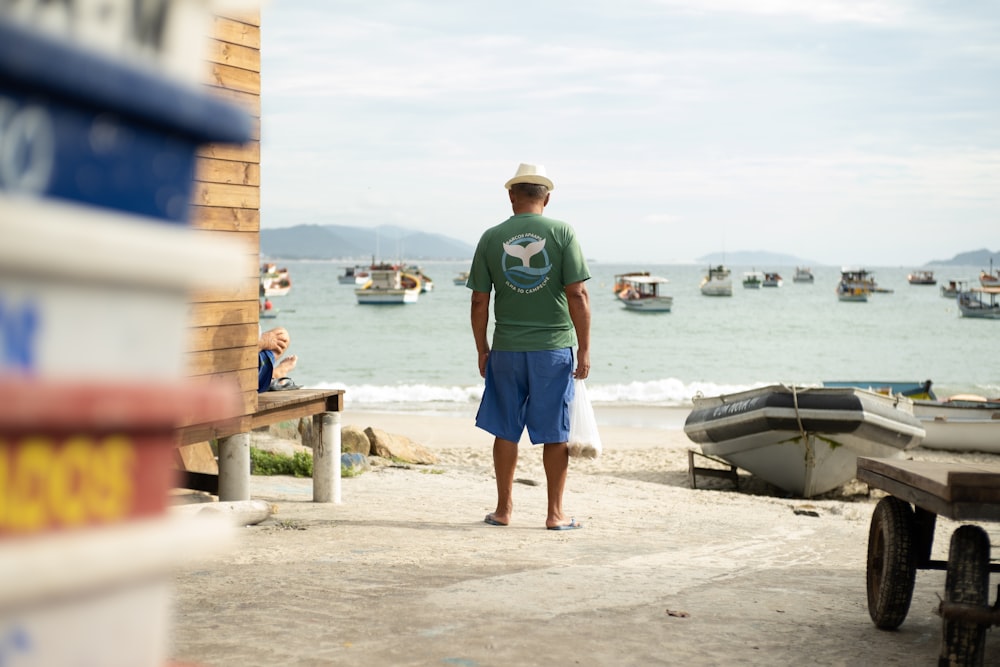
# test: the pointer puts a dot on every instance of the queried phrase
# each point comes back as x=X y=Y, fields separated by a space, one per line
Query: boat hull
x=651 y=304
x=383 y=297
x=960 y=427
x=803 y=440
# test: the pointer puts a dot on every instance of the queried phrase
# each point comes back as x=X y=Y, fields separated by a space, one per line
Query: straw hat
x=530 y=173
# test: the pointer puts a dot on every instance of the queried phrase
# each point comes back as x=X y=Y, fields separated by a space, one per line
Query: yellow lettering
x=109 y=489
x=68 y=475
x=26 y=509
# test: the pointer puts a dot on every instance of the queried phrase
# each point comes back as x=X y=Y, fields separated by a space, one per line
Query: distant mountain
x=385 y=242
x=973 y=258
x=759 y=259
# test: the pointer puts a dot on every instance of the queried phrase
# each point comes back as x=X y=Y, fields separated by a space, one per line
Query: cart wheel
x=962 y=642
x=892 y=567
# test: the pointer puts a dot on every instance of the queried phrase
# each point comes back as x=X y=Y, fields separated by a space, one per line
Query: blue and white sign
x=49 y=149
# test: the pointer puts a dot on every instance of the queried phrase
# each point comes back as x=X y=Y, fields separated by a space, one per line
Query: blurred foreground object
x=101 y=113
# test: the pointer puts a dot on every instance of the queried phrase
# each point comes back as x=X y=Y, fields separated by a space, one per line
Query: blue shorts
x=530 y=389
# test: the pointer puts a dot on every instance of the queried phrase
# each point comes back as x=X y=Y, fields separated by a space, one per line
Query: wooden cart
x=901 y=537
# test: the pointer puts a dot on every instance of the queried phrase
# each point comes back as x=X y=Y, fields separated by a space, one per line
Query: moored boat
x=389 y=285
x=643 y=292
x=803 y=274
x=953 y=287
x=461 y=279
x=990 y=278
x=753 y=279
x=354 y=275
x=275 y=281
x=921 y=277
x=773 y=280
x=426 y=284
x=855 y=285
x=717 y=282
x=804 y=440
x=980 y=303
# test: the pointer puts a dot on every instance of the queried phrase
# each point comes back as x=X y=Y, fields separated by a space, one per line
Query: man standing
x=535 y=267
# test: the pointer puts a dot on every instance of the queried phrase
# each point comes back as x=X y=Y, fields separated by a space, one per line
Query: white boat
x=354 y=275
x=643 y=292
x=389 y=286
x=990 y=278
x=960 y=423
x=980 y=302
x=753 y=279
x=921 y=277
x=717 y=282
x=274 y=281
x=773 y=280
x=426 y=284
x=461 y=279
x=804 y=440
x=803 y=274
x=951 y=289
x=855 y=285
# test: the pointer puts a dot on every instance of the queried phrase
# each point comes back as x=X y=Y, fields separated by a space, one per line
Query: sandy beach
x=405 y=572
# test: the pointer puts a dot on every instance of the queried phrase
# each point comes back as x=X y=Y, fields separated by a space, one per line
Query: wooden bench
x=233 y=479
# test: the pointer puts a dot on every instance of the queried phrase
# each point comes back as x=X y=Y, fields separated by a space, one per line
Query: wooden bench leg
x=326 y=458
x=234 y=467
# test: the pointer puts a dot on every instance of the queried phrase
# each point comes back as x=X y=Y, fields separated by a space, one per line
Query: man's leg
x=555 y=458
x=504 y=465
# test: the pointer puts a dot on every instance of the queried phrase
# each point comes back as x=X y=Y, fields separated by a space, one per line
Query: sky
x=843 y=132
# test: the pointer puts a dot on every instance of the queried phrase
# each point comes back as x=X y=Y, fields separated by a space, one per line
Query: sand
x=405 y=572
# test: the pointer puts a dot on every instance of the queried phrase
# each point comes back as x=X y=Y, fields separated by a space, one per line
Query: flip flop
x=572 y=525
x=283 y=384
x=491 y=519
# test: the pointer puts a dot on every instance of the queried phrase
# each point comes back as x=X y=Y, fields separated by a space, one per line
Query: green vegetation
x=299 y=464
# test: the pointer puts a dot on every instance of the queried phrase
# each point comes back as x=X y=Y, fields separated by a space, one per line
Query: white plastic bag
x=584 y=440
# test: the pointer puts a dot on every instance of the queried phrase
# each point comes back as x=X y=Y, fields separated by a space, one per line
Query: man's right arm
x=578 y=301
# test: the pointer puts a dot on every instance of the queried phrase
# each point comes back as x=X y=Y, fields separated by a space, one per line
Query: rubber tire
x=892 y=569
x=963 y=642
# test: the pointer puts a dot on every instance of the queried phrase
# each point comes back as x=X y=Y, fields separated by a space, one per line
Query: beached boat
x=911 y=389
x=803 y=274
x=921 y=277
x=461 y=279
x=773 y=280
x=389 y=285
x=951 y=289
x=275 y=281
x=753 y=279
x=717 y=282
x=643 y=292
x=804 y=440
x=855 y=285
x=980 y=303
x=961 y=423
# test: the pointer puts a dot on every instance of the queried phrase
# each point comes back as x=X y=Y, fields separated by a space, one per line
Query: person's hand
x=582 y=365
x=275 y=339
x=484 y=357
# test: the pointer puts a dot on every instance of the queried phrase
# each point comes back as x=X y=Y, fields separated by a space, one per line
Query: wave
x=669 y=392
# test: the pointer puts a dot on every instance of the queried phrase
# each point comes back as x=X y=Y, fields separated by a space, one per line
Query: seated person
x=270 y=345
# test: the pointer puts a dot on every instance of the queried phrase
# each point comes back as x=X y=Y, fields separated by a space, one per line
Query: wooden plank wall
x=226 y=203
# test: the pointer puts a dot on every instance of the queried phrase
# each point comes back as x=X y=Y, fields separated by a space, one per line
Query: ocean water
x=421 y=356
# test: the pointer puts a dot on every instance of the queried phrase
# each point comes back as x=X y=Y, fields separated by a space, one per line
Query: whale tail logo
x=525 y=252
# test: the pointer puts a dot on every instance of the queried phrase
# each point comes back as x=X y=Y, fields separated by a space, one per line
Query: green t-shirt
x=527 y=261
